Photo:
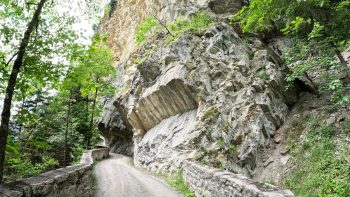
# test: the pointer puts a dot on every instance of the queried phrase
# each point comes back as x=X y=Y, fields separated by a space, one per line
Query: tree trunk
x=6 y=111
x=340 y=56
x=341 y=59
x=92 y=118
x=163 y=25
x=87 y=109
x=65 y=151
x=313 y=85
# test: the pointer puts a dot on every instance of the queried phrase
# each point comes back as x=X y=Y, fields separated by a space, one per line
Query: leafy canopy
x=319 y=30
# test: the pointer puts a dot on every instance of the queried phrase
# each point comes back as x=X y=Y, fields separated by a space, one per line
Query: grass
x=211 y=114
x=195 y=23
x=178 y=183
x=322 y=169
x=221 y=142
x=232 y=148
x=225 y=126
x=144 y=29
x=94 y=180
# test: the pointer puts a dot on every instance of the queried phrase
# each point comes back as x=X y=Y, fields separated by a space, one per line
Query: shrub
x=178 y=183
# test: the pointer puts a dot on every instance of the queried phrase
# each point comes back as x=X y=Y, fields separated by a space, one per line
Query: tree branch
x=8 y=62
x=162 y=24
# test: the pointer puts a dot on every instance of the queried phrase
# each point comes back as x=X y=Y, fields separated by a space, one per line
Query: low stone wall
x=72 y=181
x=211 y=182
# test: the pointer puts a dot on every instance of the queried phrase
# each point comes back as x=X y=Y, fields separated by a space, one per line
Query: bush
x=23 y=168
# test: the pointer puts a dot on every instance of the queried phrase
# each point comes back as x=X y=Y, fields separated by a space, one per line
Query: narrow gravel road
x=116 y=177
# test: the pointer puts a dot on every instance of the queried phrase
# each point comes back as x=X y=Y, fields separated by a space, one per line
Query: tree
x=95 y=70
x=314 y=19
x=6 y=112
x=318 y=28
x=51 y=43
x=48 y=41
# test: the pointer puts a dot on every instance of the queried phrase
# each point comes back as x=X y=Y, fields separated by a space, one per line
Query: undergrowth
x=322 y=168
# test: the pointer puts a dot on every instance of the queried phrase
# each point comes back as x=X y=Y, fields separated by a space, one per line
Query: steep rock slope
x=211 y=96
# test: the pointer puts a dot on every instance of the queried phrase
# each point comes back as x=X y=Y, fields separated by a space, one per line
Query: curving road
x=116 y=177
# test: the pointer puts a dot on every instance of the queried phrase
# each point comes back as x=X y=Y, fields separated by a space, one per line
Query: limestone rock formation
x=211 y=96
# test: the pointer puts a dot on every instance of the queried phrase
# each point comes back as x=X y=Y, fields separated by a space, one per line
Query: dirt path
x=116 y=177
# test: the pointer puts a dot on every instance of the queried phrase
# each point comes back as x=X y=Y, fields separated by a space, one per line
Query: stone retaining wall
x=72 y=181
x=211 y=182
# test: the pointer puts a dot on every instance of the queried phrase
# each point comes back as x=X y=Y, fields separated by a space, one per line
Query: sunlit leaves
x=319 y=30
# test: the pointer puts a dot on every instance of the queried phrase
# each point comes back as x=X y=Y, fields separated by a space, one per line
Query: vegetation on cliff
x=151 y=24
x=319 y=31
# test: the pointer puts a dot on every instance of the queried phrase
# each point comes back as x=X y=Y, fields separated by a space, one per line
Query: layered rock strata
x=223 y=94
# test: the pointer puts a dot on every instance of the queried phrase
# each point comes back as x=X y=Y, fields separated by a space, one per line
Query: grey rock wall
x=214 y=95
x=211 y=182
x=72 y=181
x=115 y=129
x=233 y=89
x=164 y=141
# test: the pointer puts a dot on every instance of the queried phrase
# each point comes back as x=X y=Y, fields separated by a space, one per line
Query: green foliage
x=232 y=148
x=340 y=90
x=318 y=29
x=94 y=179
x=57 y=71
x=178 y=183
x=43 y=119
x=107 y=10
x=262 y=75
x=211 y=114
x=20 y=167
x=225 y=126
x=317 y=17
x=221 y=142
x=322 y=169
x=195 y=23
x=144 y=29
x=76 y=153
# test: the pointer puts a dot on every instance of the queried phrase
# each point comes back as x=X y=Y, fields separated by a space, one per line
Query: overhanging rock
x=163 y=102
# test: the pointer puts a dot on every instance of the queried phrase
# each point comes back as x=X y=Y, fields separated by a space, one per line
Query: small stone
x=284 y=160
x=284 y=151
x=330 y=120
x=277 y=139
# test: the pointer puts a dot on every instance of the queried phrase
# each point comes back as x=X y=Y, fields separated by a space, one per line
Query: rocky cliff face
x=213 y=96
x=126 y=15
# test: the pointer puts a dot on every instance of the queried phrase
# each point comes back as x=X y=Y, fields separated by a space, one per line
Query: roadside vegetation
x=177 y=181
x=322 y=161
x=319 y=32
x=52 y=82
